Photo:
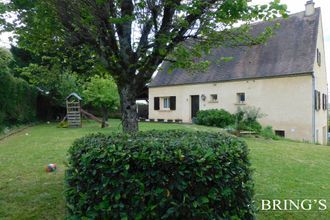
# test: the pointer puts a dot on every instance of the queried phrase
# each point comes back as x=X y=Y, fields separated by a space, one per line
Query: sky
x=293 y=7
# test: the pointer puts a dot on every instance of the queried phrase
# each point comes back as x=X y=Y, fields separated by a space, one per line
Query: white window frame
x=166 y=103
x=238 y=95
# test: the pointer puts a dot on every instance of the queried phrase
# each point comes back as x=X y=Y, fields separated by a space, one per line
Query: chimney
x=310 y=9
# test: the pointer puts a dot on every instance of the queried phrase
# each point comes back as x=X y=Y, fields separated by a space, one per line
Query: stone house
x=286 y=78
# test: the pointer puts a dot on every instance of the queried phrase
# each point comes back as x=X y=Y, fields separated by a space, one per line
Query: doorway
x=194 y=105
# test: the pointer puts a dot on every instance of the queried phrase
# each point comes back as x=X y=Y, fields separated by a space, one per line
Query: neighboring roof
x=75 y=95
x=290 y=51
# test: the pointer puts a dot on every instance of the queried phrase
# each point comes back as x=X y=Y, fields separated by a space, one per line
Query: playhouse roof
x=75 y=95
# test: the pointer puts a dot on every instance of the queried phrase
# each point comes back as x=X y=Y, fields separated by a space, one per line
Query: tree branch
x=124 y=31
x=143 y=43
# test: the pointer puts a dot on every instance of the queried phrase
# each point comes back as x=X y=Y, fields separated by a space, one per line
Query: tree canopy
x=102 y=93
x=131 y=38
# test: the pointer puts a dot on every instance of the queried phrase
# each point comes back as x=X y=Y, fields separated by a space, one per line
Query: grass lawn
x=283 y=170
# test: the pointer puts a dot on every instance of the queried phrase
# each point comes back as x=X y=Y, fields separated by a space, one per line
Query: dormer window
x=318 y=57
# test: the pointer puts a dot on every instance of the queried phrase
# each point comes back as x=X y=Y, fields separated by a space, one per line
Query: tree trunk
x=128 y=107
x=105 y=116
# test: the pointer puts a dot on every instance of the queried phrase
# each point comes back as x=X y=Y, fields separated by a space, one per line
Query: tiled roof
x=291 y=50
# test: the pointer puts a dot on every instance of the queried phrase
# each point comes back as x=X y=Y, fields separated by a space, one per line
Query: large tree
x=133 y=37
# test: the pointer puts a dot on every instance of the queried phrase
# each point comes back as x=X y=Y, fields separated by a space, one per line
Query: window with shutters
x=166 y=103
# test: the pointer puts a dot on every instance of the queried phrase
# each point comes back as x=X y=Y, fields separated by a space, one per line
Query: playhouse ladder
x=73 y=114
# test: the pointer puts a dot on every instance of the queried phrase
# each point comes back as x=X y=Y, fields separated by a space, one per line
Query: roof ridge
x=290 y=50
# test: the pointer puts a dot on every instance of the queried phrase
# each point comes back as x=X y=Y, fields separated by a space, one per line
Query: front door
x=194 y=105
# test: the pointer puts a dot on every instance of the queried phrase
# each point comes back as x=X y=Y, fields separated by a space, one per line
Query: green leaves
x=56 y=83
x=159 y=175
x=102 y=92
x=214 y=117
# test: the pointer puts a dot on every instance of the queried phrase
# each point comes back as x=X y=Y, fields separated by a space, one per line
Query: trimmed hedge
x=17 y=100
x=243 y=119
x=215 y=117
x=159 y=175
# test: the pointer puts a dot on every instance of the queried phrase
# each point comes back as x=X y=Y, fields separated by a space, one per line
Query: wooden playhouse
x=73 y=108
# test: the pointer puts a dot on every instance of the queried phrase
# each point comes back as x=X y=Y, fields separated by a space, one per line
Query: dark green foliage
x=246 y=119
x=18 y=100
x=159 y=175
x=17 y=97
x=247 y=124
x=215 y=117
x=23 y=57
x=267 y=132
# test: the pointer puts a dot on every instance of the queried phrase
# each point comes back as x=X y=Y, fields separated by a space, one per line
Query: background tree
x=102 y=93
x=56 y=73
x=131 y=38
x=55 y=83
x=5 y=59
x=17 y=97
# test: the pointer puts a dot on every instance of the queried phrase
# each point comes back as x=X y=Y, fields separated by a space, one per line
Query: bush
x=246 y=119
x=268 y=133
x=159 y=175
x=215 y=117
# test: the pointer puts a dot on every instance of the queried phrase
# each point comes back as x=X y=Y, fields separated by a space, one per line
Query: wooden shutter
x=319 y=100
x=156 y=103
x=172 y=102
x=326 y=101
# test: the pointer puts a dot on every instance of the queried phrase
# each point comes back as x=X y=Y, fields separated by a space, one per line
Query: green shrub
x=215 y=117
x=246 y=119
x=267 y=132
x=159 y=175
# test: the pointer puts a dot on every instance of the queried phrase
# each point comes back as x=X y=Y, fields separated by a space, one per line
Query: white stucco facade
x=289 y=103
